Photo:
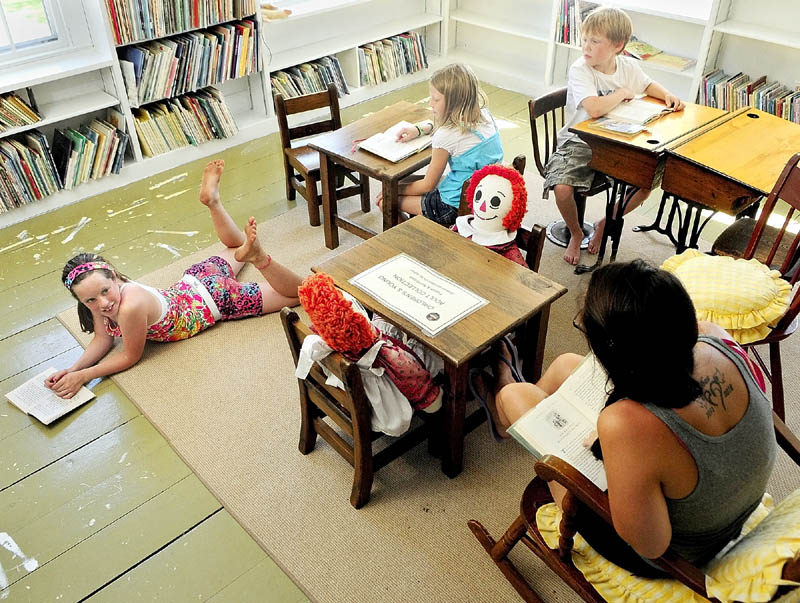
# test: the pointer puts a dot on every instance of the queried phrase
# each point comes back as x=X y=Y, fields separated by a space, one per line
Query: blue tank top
x=732 y=471
x=489 y=150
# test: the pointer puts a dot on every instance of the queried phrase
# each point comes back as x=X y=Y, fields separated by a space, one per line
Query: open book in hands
x=630 y=117
x=33 y=398
x=564 y=423
x=386 y=145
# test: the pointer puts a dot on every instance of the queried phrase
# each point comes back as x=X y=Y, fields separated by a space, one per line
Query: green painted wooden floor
x=99 y=499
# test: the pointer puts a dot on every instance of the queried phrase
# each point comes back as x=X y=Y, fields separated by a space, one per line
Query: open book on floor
x=560 y=423
x=33 y=398
x=630 y=117
x=385 y=144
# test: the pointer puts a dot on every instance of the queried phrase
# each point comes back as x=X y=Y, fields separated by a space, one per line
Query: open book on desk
x=560 y=423
x=33 y=398
x=385 y=144
x=630 y=117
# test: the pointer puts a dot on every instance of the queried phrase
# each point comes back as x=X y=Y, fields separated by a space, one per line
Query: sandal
x=513 y=364
x=482 y=399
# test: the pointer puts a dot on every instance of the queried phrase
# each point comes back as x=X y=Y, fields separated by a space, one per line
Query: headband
x=80 y=269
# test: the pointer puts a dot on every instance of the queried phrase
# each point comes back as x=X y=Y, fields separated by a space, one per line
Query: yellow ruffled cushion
x=751 y=569
x=743 y=297
x=618 y=585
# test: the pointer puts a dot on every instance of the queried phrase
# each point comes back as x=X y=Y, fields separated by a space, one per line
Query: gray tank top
x=732 y=471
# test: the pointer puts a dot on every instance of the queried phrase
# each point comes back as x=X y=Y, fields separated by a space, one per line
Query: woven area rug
x=227 y=401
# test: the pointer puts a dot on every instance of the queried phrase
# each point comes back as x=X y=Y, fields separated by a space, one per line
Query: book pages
x=385 y=144
x=33 y=398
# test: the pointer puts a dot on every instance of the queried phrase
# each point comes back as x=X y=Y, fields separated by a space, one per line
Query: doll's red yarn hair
x=519 y=202
x=333 y=317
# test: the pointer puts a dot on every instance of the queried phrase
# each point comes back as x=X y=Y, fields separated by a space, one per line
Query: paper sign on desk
x=419 y=294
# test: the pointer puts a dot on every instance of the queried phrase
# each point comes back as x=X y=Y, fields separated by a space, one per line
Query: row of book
x=172 y=66
x=309 y=78
x=191 y=119
x=135 y=20
x=15 y=112
x=388 y=59
x=31 y=168
x=731 y=92
x=645 y=51
x=568 y=22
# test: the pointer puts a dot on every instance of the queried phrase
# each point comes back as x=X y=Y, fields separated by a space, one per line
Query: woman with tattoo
x=686 y=434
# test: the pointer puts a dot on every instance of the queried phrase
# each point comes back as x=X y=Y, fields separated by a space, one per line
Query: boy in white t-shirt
x=597 y=82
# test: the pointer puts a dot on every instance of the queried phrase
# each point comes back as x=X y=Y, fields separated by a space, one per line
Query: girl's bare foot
x=251 y=251
x=209 y=187
x=597 y=237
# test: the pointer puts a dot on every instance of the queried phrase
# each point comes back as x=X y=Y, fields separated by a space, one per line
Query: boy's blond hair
x=463 y=97
x=612 y=23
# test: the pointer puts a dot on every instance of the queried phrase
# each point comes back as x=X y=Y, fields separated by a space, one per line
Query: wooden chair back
x=547 y=113
x=781 y=241
x=584 y=497
x=301 y=104
x=342 y=417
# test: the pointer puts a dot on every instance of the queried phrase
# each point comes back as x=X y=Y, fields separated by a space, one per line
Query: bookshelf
x=509 y=43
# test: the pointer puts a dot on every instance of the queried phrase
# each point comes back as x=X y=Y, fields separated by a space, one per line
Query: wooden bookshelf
x=515 y=28
x=772 y=35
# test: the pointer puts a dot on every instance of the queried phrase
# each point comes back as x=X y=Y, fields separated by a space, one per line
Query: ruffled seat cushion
x=743 y=297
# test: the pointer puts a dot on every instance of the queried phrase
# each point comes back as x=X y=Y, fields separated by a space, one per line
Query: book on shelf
x=15 y=112
x=385 y=144
x=732 y=92
x=308 y=78
x=135 y=20
x=393 y=57
x=33 y=398
x=190 y=119
x=640 y=49
x=172 y=66
x=671 y=61
x=568 y=21
x=563 y=423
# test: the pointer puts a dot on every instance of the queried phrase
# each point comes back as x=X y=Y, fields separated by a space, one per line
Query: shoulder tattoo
x=715 y=390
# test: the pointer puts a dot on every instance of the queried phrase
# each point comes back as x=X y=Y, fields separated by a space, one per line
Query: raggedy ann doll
x=498 y=200
x=397 y=372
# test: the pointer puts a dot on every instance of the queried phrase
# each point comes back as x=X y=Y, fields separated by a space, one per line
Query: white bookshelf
x=509 y=43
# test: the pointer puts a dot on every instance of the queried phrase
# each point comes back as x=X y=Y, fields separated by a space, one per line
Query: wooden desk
x=636 y=162
x=336 y=148
x=517 y=297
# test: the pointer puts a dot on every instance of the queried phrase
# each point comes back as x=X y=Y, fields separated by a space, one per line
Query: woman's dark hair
x=641 y=325
x=84 y=314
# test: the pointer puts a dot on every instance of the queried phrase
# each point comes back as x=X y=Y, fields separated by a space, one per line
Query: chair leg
x=777 y=379
x=362 y=463
x=291 y=193
x=313 y=201
x=580 y=203
x=308 y=435
x=499 y=550
x=364 y=184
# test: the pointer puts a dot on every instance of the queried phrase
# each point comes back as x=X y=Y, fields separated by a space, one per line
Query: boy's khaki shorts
x=569 y=165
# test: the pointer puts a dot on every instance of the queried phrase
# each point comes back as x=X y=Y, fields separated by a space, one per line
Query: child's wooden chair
x=530 y=241
x=584 y=497
x=301 y=162
x=547 y=112
x=749 y=238
x=349 y=410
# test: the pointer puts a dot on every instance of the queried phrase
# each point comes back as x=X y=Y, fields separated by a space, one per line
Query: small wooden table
x=338 y=148
x=635 y=162
x=728 y=165
x=517 y=298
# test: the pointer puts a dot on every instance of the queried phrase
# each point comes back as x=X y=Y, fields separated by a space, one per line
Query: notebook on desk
x=385 y=144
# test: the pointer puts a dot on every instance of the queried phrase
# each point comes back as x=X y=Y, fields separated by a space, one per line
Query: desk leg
x=391 y=201
x=621 y=193
x=327 y=174
x=453 y=454
x=534 y=340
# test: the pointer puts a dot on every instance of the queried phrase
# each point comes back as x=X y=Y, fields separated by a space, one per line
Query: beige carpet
x=227 y=401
